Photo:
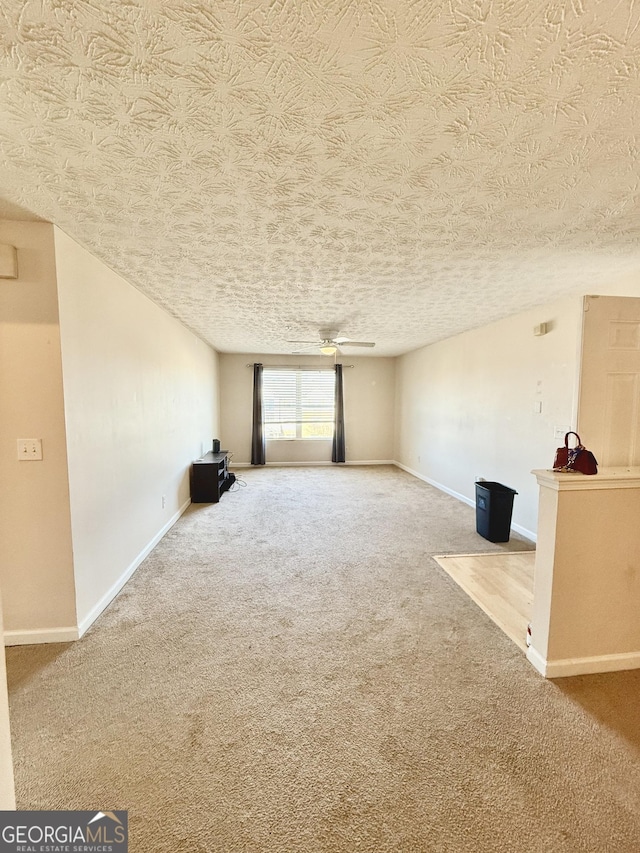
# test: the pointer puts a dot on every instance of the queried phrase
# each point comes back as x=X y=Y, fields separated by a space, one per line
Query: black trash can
x=494 y=505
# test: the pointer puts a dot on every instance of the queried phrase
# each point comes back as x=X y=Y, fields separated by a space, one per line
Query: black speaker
x=216 y=445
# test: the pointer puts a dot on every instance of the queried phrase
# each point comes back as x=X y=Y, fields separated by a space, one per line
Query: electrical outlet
x=164 y=501
x=560 y=431
x=30 y=449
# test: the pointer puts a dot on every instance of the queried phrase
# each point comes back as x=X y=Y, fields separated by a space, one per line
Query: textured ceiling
x=401 y=171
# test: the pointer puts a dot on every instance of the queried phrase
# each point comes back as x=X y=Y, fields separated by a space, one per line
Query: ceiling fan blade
x=311 y=343
x=356 y=344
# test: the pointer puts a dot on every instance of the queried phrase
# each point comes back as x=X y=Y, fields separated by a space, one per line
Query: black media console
x=209 y=478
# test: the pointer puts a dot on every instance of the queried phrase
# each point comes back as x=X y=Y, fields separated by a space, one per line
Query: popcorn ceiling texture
x=401 y=171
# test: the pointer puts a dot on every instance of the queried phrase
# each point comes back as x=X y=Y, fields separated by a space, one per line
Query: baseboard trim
x=582 y=666
x=41 y=635
x=536 y=660
x=435 y=484
x=306 y=464
x=528 y=534
x=368 y=462
x=108 y=597
x=68 y=635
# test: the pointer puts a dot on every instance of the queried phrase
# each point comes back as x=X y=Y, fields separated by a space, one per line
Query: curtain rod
x=298 y=366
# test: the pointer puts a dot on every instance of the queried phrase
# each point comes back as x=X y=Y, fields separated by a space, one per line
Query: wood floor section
x=501 y=584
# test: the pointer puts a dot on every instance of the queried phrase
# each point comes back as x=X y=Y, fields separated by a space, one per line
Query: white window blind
x=298 y=404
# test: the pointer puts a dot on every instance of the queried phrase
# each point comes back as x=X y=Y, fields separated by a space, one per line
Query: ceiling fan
x=330 y=342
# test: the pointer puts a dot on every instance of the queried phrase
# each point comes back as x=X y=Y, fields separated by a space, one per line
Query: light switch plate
x=30 y=449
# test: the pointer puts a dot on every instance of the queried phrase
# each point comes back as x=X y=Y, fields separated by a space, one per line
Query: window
x=298 y=403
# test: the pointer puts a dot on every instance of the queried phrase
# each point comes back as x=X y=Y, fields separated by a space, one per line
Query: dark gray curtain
x=337 y=451
x=258 y=451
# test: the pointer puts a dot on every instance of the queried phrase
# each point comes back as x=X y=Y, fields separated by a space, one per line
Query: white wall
x=141 y=402
x=368 y=400
x=465 y=406
x=36 y=563
x=7 y=787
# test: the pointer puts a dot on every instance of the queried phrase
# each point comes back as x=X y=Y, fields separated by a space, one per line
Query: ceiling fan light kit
x=330 y=342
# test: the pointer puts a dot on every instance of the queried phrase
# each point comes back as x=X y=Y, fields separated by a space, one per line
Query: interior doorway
x=609 y=393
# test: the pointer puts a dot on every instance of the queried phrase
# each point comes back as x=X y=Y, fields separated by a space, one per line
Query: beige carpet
x=291 y=672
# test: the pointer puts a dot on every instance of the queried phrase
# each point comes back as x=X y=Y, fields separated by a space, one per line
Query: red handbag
x=576 y=458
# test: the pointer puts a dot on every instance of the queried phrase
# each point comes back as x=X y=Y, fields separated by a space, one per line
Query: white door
x=609 y=399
